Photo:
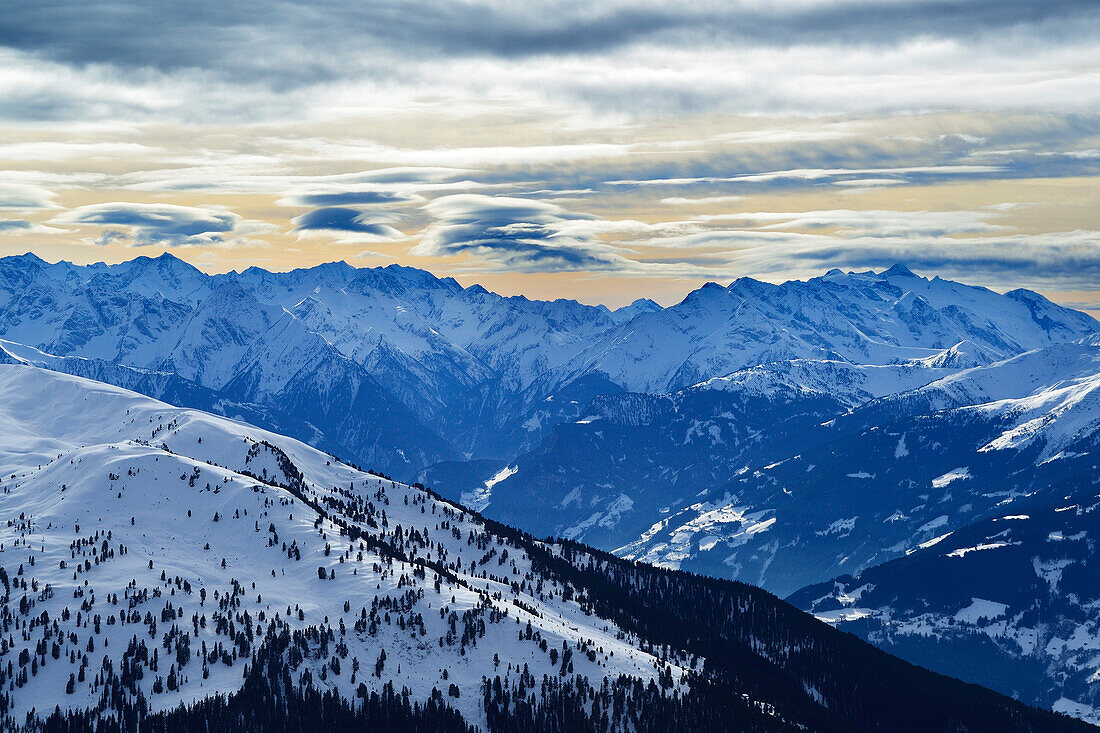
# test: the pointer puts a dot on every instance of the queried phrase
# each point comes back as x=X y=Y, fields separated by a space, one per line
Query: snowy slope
x=153 y=552
x=118 y=494
x=329 y=401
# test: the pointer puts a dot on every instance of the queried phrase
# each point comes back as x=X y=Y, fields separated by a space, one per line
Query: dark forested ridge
x=755 y=643
x=933 y=605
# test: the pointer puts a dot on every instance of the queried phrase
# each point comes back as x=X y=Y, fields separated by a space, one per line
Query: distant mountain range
x=826 y=431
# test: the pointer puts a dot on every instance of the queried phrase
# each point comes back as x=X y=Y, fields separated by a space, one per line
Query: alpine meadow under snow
x=601 y=484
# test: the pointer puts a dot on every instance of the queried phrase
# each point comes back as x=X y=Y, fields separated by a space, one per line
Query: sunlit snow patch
x=478 y=498
x=980 y=608
x=962 y=551
x=953 y=475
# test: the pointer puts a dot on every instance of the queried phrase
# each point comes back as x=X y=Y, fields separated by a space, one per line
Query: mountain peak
x=639 y=306
x=397 y=279
x=705 y=293
x=29 y=257
x=899 y=270
x=963 y=355
x=336 y=267
x=163 y=263
x=759 y=288
x=24 y=262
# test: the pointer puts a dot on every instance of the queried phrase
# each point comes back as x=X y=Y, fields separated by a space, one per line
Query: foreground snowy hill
x=127 y=506
x=155 y=557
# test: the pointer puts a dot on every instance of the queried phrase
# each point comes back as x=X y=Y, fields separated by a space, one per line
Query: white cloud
x=23 y=227
x=870 y=222
x=703 y=201
x=25 y=196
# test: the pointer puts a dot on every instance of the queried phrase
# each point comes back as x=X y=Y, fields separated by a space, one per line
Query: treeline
x=270 y=701
x=768 y=666
x=758 y=645
x=625 y=704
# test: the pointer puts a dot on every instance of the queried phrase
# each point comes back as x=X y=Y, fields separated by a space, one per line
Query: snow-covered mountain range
x=439 y=353
x=636 y=430
x=782 y=435
x=863 y=318
x=156 y=557
x=468 y=374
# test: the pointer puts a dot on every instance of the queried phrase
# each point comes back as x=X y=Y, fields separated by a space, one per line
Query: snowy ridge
x=180 y=510
x=472 y=369
x=1021 y=376
x=1047 y=396
x=864 y=318
x=852 y=384
x=155 y=553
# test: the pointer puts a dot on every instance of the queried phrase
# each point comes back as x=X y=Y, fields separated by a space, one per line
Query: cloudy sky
x=602 y=150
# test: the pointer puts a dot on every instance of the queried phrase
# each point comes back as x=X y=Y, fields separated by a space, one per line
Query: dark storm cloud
x=351 y=198
x=513 y=233
x=291 y=43
x=341 y=219
x=155 y=224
